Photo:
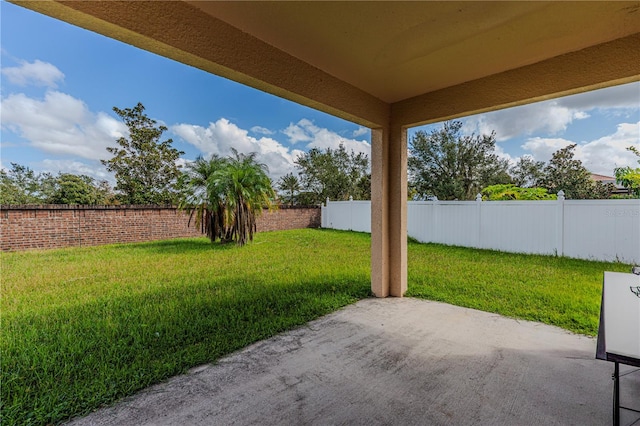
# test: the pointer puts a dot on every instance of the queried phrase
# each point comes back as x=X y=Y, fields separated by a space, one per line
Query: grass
x=83 y=327
x=554 y=290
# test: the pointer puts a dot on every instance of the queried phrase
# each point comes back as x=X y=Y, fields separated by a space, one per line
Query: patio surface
x=392 y=362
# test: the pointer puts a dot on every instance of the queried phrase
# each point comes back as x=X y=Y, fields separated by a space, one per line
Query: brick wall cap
x=84 y=207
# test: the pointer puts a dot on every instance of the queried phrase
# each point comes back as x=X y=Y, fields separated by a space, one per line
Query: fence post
x=350 y=213
x=479 y=215
x=325 y=214
x=433 y=220
x=560 y=225
x=436 y=236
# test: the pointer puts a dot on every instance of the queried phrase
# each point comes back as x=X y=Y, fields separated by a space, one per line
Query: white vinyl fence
x=586 y=229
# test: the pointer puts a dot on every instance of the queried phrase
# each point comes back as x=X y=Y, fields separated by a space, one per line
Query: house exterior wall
x=56 y=226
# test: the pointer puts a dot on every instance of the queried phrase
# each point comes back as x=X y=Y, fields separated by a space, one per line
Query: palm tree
x=289 y=183
x=198 y=202
x=245 y=187
x=227 y=195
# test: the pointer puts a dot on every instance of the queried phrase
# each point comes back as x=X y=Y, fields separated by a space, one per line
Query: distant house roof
x=609 y=179
x=602 y=178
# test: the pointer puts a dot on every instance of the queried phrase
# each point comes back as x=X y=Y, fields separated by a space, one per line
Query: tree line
x=20 y=185
x=443 y=164
x=147 y=172
x=447 y=165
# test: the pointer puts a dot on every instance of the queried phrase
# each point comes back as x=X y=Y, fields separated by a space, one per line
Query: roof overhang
x=368 y=62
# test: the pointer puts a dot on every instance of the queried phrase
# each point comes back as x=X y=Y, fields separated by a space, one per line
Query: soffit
x=376 y=62
x=399 y=50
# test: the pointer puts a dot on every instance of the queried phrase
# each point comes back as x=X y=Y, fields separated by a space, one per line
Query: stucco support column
x=397 y=211
x=389 y=211
x=379 y=212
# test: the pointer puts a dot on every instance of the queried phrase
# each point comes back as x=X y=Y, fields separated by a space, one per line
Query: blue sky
x=59 y=84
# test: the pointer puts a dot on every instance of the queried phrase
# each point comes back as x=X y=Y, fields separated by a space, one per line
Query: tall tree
x=334 y=173
x=363 y=188
x=145 y=167
x=290 y=185
x=21 y=185
x=527 y=172
x=563 y=172
x=78 y=189
x=105 y=193
x=446 y=164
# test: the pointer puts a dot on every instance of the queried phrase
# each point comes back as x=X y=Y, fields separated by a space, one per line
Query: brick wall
x=54 y=226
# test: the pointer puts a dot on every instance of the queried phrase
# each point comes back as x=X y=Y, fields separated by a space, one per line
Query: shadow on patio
x=392 y=361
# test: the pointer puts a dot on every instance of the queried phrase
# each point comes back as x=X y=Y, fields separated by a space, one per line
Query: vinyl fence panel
x=518 y=227
x=454 y=223
x=587 y=229
x=361 y=216
x=602 y=229
x=347 y=215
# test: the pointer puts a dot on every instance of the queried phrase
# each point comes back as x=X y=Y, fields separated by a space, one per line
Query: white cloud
x=92 y=168
x=622 y=96
x=600 y=156
x=605 y=154
x=261 y=130
x=61 y=124
x=360 y=131
x=542 y=149
x=321 y=138
x=35 y=73
x=549 y=117
x=553 y=116
x=223 y=135
x=297 y=133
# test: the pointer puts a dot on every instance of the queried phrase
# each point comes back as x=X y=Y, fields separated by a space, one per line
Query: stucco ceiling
x=397 y=50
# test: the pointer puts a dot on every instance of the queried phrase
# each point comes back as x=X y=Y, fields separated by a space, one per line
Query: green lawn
x=553 y=290
x=83 y=327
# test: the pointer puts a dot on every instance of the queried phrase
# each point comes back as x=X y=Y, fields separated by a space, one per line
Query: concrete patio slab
x=392 y=362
